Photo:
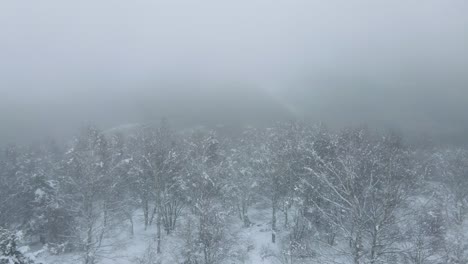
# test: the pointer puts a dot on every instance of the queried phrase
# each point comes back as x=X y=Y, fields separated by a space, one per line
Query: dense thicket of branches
x=354 y=196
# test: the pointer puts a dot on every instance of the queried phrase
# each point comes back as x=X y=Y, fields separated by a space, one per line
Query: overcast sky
x=400 y=63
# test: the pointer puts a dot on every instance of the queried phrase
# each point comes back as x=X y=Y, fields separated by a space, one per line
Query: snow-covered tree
x=242 y=184
x=363 y=190
x=203 y=184
x=450 y=167
x=86 y=182
x=9 y=252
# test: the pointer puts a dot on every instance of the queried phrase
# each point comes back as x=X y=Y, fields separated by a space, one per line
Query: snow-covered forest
x=234 y=132
x=289 y=193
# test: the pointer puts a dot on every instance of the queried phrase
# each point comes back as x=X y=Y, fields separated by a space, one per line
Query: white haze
x=401 y=63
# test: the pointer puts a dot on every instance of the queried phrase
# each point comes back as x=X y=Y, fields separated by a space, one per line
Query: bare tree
x=87 y=167
x=451 y=168
x=363 y=190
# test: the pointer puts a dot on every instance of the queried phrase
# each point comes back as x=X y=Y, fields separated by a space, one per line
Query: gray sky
x=402 y=63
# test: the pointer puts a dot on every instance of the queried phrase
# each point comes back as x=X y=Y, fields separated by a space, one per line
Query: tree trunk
x=205 y=253
x=374 y=246
x=286 y=217
x=177 y=209
x=153 y=213
x=273 y=221
x=356 y=248
x=170 y=213
x=88 y=210
x=130 y=218
x=145 y=212
x=158 y=235
x=245 y=217
x=104 y=226
x=88 y=257
x=239 y=210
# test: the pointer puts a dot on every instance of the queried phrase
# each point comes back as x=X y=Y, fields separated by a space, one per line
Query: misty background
x=401 y=64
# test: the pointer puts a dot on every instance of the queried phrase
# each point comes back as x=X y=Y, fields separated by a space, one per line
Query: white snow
x=255 y=246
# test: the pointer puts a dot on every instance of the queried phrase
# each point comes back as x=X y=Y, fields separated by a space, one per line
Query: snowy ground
x=253 y=243
x=261 y=249
x=124 y=250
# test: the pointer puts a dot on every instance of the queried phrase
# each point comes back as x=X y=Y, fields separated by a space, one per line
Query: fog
x=401 y=64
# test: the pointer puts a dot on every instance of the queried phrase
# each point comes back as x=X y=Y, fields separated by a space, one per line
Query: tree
x=87 y=177
x=167 y=166
x=202 y=183
x=142 y=147
x=119 y=198
x=12 y=186
x=451 y=167
x=9 y=253
x=424 y=233
x=363 y=190
x=243 y=182
x=282 y=163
